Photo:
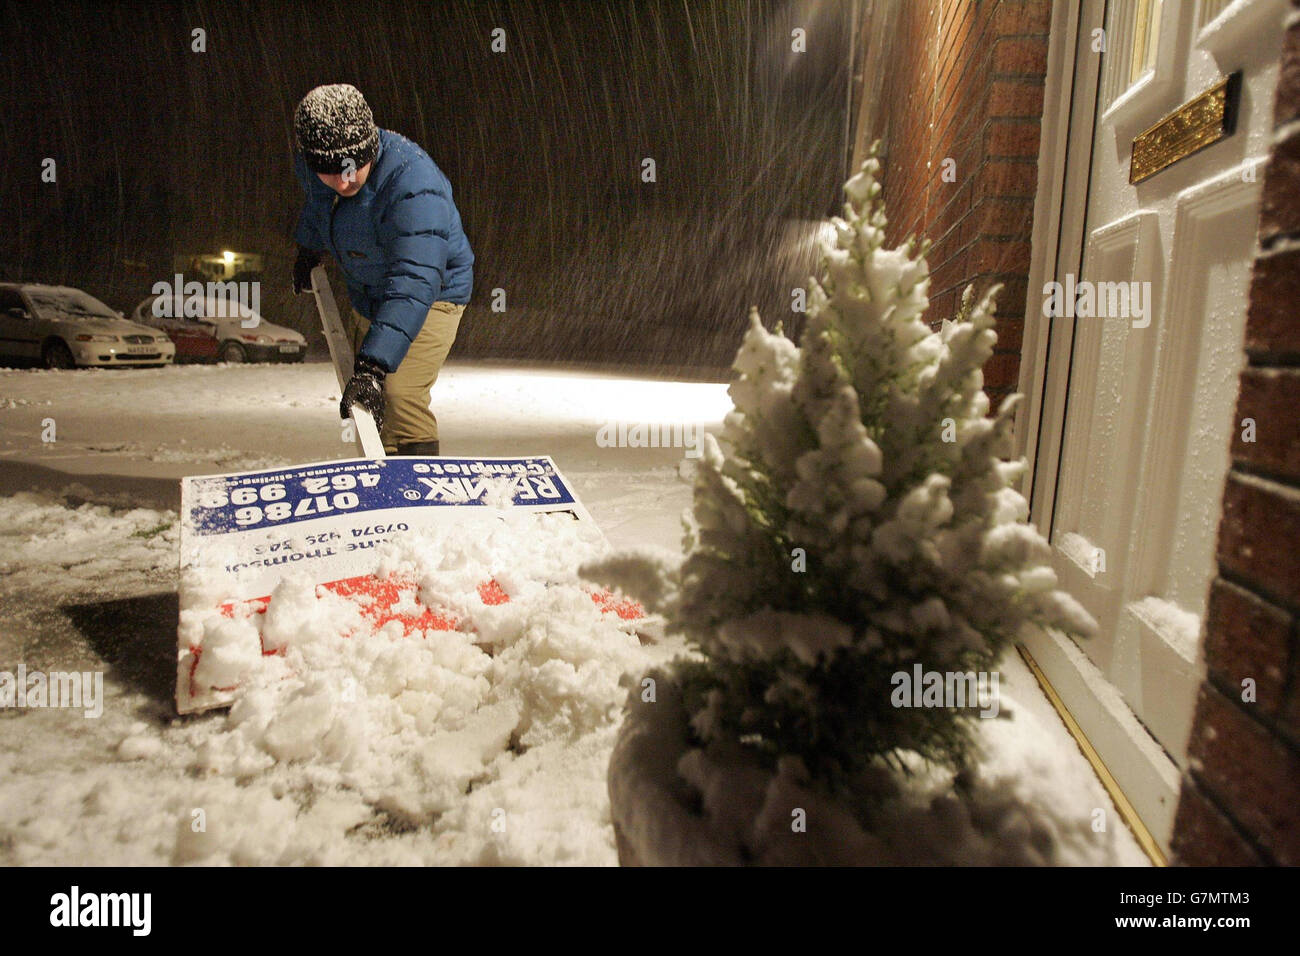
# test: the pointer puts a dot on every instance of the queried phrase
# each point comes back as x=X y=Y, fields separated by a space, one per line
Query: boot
x=428 y=448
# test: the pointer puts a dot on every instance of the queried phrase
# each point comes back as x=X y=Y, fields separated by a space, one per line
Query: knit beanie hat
x=333 y=124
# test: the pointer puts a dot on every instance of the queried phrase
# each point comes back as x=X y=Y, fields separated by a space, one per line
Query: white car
x=62 y=327
x=221 y=333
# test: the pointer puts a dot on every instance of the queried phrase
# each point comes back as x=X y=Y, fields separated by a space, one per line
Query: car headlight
x=161 y=338
x=265 y=339
x=84 y=337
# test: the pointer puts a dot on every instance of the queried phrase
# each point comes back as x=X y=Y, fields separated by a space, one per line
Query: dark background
x=164 y=151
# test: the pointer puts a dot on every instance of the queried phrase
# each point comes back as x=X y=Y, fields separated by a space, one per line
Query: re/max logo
x=524 y=488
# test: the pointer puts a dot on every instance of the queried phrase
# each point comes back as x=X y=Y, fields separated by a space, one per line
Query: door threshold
x=1122 y=805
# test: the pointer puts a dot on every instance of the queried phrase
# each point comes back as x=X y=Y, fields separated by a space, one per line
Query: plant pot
x=675 y=804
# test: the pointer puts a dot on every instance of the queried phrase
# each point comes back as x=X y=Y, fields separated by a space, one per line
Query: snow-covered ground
x=483 y=748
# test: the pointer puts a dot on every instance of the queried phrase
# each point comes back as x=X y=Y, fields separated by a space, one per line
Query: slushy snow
x=484 y=744
x=414 y=724
x=502 y=730
x=1031 y=800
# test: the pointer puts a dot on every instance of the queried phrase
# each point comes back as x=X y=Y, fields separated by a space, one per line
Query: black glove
x=365 y=388
x=307 y=260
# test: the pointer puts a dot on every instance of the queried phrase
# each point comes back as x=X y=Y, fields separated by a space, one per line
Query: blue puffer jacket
x=398 y=241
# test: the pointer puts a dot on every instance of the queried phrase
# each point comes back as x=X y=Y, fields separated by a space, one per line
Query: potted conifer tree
x=858 y=519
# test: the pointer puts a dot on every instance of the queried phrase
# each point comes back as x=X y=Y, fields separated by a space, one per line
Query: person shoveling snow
x=383 y=209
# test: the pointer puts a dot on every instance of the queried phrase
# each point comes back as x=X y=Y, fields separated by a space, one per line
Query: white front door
x=1135 y=381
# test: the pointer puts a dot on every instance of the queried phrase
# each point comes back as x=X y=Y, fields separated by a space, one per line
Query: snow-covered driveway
x=88 y=556
x=161 y=424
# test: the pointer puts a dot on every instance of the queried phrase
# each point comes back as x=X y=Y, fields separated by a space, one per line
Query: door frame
x=1142 y=769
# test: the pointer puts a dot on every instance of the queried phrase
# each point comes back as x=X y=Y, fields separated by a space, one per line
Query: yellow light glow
x=228 y=256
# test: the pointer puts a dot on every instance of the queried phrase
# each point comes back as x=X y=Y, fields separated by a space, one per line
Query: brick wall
x=1240 y=801
x=962 y=80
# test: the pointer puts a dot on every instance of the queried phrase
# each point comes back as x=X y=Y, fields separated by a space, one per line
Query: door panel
x=1132 y=445
x=1140 y=63
x=1200 y=361
x=1103 y=437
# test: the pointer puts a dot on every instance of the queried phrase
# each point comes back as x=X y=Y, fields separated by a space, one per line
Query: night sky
x=163 y=150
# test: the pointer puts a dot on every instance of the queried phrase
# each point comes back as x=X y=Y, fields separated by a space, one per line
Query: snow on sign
x=242 y=533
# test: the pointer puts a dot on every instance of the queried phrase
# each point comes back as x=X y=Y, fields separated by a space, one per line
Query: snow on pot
x=859 y=528
x=675 y=802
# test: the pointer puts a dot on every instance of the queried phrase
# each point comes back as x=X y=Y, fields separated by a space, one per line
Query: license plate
x=288 y=348
x=140 y=349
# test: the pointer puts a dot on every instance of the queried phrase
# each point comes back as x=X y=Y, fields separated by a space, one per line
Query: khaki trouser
x=407 y=417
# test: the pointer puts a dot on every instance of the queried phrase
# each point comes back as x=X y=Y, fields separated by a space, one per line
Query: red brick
x=1005 y=218
x=1006 y=178
x=1010 y=333
x=906 y=199
x=955 y=44
x=960 y=290
x=981 y=97
x=1248 y=772
x=996 y=255
x=1272 y=326
x=1258 y=535
x=965 y=233
x=898 y=231
x=1012 y=299
x=1015 y=98
x=1269 y=396
x=942 y=306
x=1022 y=16
x=952 y=273
x=964 y=99
x=1011 y=138
x=954 y=109
x=1002 y=370
x=965 y=160
x=962 y=140
x=1280 y=206
x=1246 y=637
x=956 y=205
x=1020 y=56
x=1203 y=836
x=1286 y=106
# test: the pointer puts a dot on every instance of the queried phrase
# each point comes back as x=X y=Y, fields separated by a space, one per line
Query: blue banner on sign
x=226 y=503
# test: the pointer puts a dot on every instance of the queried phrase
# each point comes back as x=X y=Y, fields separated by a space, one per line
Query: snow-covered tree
x=861 y=519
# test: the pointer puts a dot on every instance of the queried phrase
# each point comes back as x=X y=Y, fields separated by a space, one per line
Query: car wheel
x=56 y=354
x=232 y=352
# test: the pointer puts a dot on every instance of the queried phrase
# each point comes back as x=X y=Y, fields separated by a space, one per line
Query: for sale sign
x=240 y=533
